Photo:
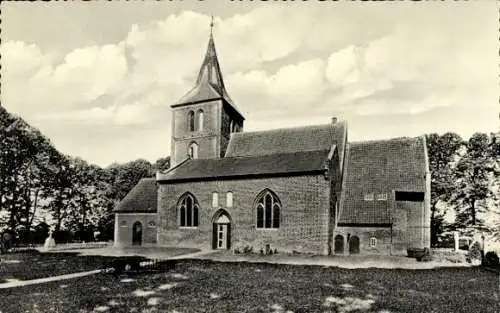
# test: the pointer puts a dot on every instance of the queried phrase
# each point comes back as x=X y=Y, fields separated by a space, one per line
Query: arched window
x=268 y=208
x=193 y=150
x=188 y=211
x=200 y=120
x=191 y=121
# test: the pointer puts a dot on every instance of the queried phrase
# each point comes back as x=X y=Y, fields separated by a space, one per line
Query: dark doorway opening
x=137 y=234
x=354 y=245
x=339 y=244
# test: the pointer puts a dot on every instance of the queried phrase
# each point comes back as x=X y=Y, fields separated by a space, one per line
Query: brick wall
x=409 y=228
x=409 y=220
x=382 y=235
x=304 y=215
x=123 y=233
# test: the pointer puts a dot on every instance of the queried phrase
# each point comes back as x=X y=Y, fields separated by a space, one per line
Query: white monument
x=50 y=243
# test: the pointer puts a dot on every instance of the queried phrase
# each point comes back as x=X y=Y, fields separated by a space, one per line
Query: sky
x=98 y=78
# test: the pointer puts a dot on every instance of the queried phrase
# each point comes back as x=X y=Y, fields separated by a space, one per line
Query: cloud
x=282 y=65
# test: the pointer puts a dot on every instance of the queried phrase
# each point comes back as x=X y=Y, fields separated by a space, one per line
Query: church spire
x=210 y=71
x=209 y=83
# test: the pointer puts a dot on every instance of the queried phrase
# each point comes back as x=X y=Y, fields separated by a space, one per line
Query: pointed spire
x=210 y=71
x=209 y=83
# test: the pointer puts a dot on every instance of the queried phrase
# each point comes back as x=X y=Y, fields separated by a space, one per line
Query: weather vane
x=211 y=24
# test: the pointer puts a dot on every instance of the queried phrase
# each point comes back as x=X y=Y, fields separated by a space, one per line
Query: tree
x=473 y=181
x=442 y=151
x=25 y=165
x=161 y=164
x=123 y=177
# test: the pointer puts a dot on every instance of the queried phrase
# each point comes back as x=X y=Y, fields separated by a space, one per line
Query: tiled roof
x=209 y=84
x=288 y=140
x=274 y=164
x=380 y=167
x=141 y=199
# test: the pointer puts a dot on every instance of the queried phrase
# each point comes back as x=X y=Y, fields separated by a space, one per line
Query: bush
x=474 y=252
x=247 y=249
x=491 y=259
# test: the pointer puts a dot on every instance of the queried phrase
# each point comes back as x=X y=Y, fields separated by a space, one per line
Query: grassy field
x=33 y=264
x=205 y=286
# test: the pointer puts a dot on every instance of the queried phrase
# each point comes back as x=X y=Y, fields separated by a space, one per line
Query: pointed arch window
x=188 y=211
x=193 y=150
x=268 y=209
x=191 y=121
x=200 y=120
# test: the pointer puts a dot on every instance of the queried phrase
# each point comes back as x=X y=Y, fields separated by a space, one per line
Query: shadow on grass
x=210 y=286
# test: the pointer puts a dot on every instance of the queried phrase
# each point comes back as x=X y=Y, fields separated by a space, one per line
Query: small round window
x=151 y=224
x=123 y=224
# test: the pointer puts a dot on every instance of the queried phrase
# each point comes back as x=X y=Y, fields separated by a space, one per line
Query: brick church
x=304 y=189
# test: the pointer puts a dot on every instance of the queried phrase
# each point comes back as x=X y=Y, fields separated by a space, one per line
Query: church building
x=304 y=189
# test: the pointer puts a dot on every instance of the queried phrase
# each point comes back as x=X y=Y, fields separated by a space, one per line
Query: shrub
x=474 y=252
x=247 y=249
x=491 y=259
x=236 y=251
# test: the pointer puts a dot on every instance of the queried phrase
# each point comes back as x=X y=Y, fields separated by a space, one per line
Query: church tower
x=203 y=120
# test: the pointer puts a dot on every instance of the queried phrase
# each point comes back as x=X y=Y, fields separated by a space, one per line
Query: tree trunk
x=473 y=212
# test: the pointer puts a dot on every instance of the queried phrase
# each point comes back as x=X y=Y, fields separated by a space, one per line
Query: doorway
x=222 y=233
x=339 y=244
x=354 y=245
x=137 y=234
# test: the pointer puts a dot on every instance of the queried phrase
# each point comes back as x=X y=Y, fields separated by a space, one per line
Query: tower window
x=200 y=119
x=193 y=150
x=191 y=121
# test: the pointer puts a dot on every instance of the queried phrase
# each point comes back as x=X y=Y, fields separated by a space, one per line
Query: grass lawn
x=33 y=264
x=206 y=286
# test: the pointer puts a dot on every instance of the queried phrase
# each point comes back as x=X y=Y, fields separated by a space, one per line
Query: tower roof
x=209 y=84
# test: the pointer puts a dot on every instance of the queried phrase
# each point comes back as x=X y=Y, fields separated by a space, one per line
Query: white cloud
x=292 y=86
x=282 y=65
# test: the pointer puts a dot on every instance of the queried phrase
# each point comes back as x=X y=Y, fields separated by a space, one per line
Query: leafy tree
x=442 y=151
x=473 y=181
x=123 y=177
x=25 y=165
x=161 y=164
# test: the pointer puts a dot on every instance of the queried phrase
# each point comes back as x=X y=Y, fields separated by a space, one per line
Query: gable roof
x=288 y=140
x=209 y=84
x=381 y=166
x=265 y=165
x=141 y=199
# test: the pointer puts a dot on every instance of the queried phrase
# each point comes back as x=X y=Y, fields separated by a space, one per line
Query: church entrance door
x=137 y=234
x=222 y=228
